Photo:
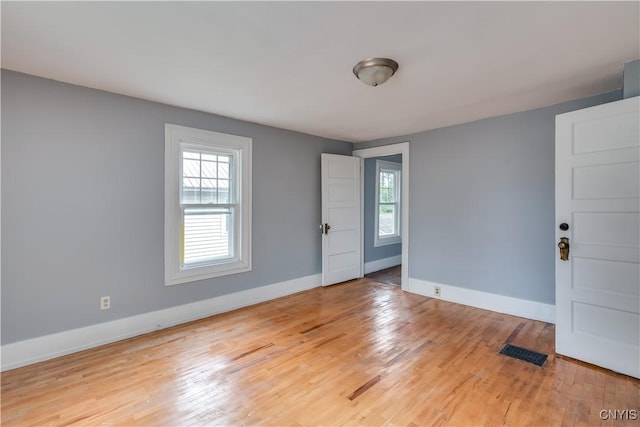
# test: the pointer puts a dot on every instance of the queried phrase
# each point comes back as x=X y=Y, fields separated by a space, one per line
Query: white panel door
x=598 y=198
x=340 y=218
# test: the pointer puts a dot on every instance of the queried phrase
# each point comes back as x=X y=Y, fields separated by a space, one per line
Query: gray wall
x=82 y=206
x=371 y=253
x=631 y=86
x=482 y=202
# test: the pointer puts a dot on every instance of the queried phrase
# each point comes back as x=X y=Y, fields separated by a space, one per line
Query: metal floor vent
x=524 y=354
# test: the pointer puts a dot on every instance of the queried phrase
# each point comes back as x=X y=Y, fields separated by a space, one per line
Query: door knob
x=564 y=248
x=324 y=228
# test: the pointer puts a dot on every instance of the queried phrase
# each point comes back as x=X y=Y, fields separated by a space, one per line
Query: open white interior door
x=340 y=218
x=597 y=210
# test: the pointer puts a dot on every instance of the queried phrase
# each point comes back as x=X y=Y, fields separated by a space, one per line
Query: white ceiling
x=288 y=64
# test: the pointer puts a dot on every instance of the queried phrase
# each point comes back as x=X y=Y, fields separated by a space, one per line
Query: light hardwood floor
x=360 y=353
x=390 y=276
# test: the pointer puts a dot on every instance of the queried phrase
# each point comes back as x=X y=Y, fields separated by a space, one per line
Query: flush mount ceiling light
x=375 y=71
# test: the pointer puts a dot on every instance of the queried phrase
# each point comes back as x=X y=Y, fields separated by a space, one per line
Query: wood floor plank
x=359 y=353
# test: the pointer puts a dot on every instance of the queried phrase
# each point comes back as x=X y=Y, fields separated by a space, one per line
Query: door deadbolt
x=564 y=248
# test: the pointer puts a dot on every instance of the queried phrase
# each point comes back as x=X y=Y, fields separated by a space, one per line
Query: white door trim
x=388 y=150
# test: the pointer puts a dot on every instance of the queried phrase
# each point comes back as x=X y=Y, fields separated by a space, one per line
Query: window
x=387 y=228
x=207 y=204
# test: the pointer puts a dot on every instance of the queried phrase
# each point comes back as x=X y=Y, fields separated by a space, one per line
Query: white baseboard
x=494 y=302
x=34 y=350
x=381 y=264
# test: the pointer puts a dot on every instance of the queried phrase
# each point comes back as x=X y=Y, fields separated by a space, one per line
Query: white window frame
x=396 y=168
x=178 y=138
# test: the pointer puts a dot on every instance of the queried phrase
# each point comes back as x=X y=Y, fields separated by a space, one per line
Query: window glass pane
x=385 y=195
x=206 y=235
x=223 y=191
x=199 y=173
x=190 y=167
x=191 y=197
x=223 y=170
x=190 y=155
x=386 y=220
x=191 y=183
x=386 y=189
x=191 y=190
x=208 y=168
x=208 y=183
x=208 y=191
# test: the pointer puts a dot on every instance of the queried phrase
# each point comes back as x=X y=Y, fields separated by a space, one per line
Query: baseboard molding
x=38 y=349
x=494 y=302
x=381 y=264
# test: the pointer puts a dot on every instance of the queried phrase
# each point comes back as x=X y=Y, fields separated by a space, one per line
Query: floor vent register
x=524 y=354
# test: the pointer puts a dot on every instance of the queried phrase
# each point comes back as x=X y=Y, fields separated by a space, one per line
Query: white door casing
x=341 y=211
x=401 y=148
x=598 y=196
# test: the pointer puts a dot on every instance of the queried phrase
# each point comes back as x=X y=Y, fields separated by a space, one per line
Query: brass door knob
x=564 y=248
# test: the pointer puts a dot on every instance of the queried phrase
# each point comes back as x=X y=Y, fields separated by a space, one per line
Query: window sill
x=203 y=273
x=385 y=241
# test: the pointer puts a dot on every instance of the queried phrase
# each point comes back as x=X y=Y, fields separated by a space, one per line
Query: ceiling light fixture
x=375 y=71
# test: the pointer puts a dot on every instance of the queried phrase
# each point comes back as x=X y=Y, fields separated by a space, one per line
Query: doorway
x=395 y=228
x=382 y=218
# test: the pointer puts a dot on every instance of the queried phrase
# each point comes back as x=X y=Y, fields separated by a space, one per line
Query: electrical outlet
x=437 y=291
x=105 y=303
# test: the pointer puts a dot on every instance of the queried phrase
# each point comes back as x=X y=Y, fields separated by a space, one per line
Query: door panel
x=593 y=134
x=598 y=196
x=612 y=181
x=601 y=321
x=342 y=216
x=341 y=211
x=606 y=228
x=594 y=274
